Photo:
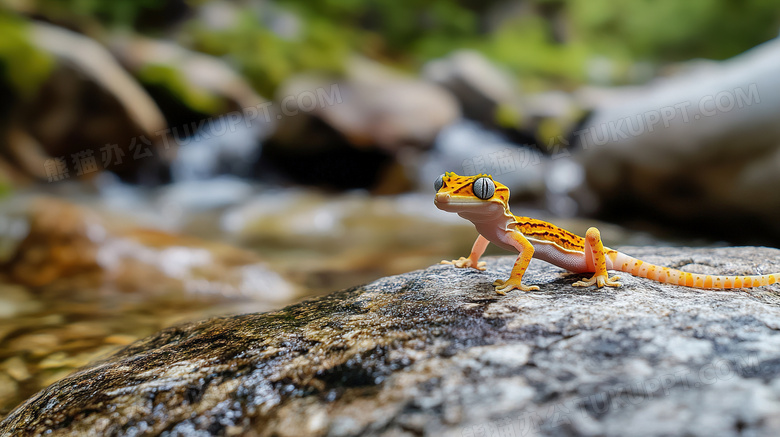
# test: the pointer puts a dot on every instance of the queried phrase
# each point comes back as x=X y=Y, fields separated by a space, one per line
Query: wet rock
x=354 y=132
x=211 y=82
x=88 y=113
x=437 y=352
x=56 y=243
x=699 y=149
x=480 y=86
x=214 y=113
x=68 y=242
x=79 y=284
x=492 y=96
x=15 y=300
x=467 y=148
x=373 y=107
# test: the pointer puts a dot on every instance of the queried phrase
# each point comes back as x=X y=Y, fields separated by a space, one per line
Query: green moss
x=266 y=59
x=25 y=67
x=507 y=116
x=5 y=186
x=170 y=78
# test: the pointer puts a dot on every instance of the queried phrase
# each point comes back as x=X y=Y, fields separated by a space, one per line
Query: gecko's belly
x=545 y=251
x=571 y=261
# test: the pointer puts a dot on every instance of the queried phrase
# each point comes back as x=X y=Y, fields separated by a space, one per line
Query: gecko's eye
x=484 y=188
x=438 y=183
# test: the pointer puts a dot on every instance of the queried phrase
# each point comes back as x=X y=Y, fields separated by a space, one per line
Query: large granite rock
x=699 y=149
x=437 y=352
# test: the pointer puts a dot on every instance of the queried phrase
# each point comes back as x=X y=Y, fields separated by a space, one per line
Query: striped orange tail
x=636 y=267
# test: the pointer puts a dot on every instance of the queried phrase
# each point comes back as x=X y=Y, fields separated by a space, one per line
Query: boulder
x=373 y=107
x=492 y=96
x=438 y=352
x=480 y=86
x=88 y=115
x=47 y=241
x=365 y=130
x=699 y=149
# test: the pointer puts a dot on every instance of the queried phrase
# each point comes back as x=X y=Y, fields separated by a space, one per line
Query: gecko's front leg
x=594 y=249
x=473 y=259
x=515 y=280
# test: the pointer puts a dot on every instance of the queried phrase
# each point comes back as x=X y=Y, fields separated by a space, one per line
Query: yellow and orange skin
x=533 y=238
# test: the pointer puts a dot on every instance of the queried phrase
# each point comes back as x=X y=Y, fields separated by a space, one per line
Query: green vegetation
x=671 y=30
x=170 y=78
x=114 y=13
x=265 y=57
x=544 y=43
x=23 y=66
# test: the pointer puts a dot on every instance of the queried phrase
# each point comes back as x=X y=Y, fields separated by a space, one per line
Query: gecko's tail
x=636 y=267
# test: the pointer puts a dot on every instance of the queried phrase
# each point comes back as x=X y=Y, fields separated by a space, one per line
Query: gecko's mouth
x=456 y=204
x=445 y=203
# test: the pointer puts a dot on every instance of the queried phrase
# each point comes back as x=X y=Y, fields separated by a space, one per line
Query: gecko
x=485 y=203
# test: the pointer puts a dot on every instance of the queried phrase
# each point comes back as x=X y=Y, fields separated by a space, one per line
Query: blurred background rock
x=163 y=161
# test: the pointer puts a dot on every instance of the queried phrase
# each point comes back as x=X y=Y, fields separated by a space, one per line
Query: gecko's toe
x=464 y=262
x=510 y=285
x=599 y=281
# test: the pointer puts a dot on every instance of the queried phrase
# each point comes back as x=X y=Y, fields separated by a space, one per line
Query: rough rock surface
x=437 y=352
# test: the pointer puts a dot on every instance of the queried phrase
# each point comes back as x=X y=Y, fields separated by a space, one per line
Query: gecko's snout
x=442 y=197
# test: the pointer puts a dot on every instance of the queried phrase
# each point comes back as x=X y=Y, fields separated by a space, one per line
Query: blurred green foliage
x=171 y=79
x=266 y=57
x=538 y=40
x=673 y=30
x=526 y=46
x=403 y=30
x=6 y=188
x=23 y=66
x=121 y=13
x=545 y=43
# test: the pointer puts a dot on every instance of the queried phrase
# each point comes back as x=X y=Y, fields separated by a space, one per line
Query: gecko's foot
x=502 y=286
x=464 y=262
x=599 y=281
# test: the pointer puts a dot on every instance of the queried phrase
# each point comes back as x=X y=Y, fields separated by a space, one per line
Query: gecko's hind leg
x=594 y=248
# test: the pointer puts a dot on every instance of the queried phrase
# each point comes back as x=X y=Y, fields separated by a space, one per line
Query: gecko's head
x=474 y=196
